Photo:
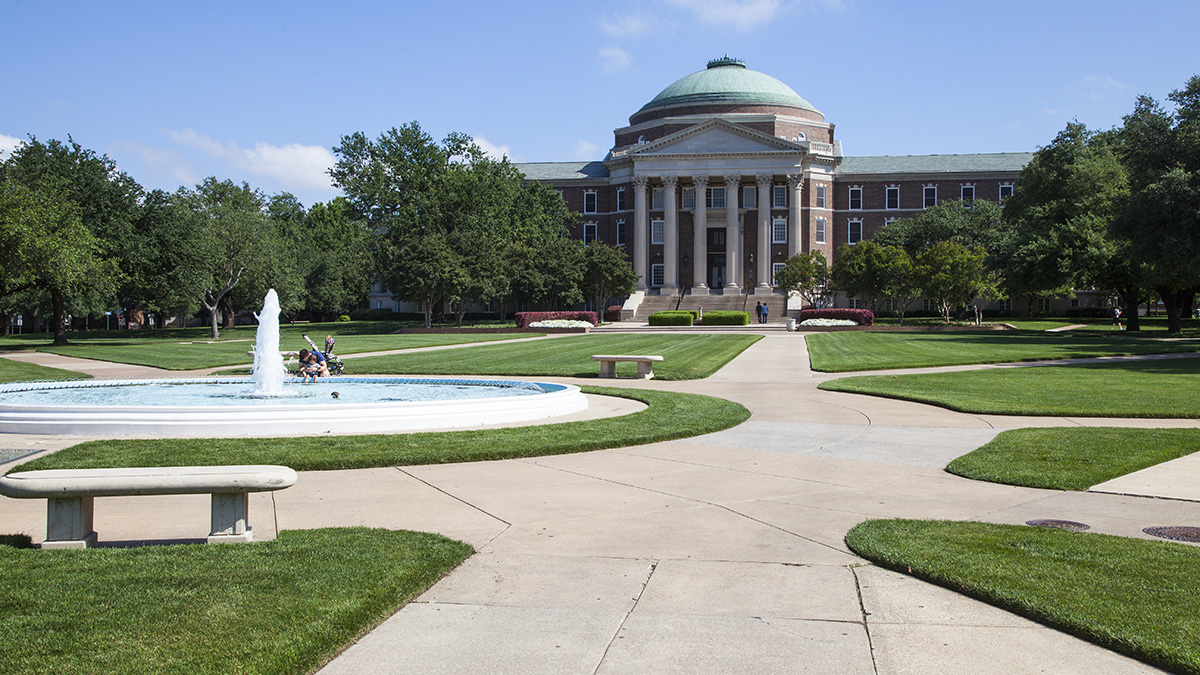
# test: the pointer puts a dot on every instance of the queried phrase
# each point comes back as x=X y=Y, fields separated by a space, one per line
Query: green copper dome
x=726 y=81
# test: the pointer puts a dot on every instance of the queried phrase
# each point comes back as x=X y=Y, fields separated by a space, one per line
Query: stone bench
x=645 y=365
x=70 y=494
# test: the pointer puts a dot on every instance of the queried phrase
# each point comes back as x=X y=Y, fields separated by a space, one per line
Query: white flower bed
x=828 y=322
x=560 y=323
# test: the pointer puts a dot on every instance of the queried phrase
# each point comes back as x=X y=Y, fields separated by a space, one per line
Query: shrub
x=526 y=318
x=342 y=318
x=863 y=317
x=672 y=318
x=613 y=313
x=1089 y=312
x=377 y=314
x=723 y=318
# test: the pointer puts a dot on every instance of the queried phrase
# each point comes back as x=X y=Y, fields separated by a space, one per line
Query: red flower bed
x=526 y=318
x=864 y=317
x=613 y=314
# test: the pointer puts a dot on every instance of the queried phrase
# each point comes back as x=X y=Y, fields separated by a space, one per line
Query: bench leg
x=69 y=522
x=645 y=370
x=230 y=517
x=608 y=369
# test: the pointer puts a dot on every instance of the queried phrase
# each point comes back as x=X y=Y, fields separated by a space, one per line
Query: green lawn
x=685 y=357
x=1162 y=388
x=669 y=416
x=191 y=349
x=282 y=606
x=864 y=350
x=1038 y=324
x=16 y=371
x=1072 y=458
x=1133 y=596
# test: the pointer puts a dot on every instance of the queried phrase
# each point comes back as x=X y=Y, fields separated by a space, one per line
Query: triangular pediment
x=716 y=137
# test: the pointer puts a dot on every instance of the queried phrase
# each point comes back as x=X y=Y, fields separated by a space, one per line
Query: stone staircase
x=740 y=302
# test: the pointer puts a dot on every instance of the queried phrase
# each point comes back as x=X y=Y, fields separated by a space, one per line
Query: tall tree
x=607 y=273
x=806 y=274
x=952 y=275
x=869 y=271
x=971 y=224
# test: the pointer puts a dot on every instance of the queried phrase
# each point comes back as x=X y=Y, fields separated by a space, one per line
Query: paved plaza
x=722 y=553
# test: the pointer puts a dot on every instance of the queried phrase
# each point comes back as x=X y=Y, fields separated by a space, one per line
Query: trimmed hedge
x=613 y=313
x=1090 y=312
x=526 y=318
x=723 y=318
x=672 y=318
x=377 y=314
x=863 y=317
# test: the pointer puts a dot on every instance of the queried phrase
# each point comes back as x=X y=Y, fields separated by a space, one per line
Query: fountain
x=275 y=405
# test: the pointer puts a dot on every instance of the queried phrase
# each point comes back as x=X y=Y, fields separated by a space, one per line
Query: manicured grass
x=1132 y=596
x=184 y=350
x=1158 y=388
x=1038 y=324
x=1072 y=458
x=669 y=416
x=16 y=371
x=850 y=351
x=685 y=357
x=282 y=606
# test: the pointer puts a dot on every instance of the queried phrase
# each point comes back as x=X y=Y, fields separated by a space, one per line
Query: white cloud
x=170 y=163
x=740 y=14
x=1097 y=88
x=614 y=60
x=628 y=25
x=586 y=150
x=7 y=145
x=492 y=150
x=294 y=166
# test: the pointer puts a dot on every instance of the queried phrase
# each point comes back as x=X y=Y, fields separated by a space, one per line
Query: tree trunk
x=1174 y=301
x=226 y=305
x=59 y=304
x=1130 y=298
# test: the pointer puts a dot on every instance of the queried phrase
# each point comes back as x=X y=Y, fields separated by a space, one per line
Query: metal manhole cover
x=1186 y=533
x=1059 y=524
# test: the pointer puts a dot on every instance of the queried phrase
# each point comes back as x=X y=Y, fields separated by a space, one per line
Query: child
x=312 y=365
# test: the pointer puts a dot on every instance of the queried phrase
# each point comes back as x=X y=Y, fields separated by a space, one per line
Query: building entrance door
x=716 y=271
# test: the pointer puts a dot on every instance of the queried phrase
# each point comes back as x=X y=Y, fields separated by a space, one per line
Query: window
x=930 y=196
x=854 y=233
x=656 y=232
x=749 y=197
x=589 y=233
x=656 y=199
x=856 y=199
x=929 y=306
x=621 y=205
x=714 y=198
x=656 y=274
x=855 y=303
x=716 y=237
x=589 y=201
x=775 y=267
x=620 y=233
x=893 y=197
x=819 y=235
x=1006 y=306
x=688 y=202
x=1043 y=305
x=1006 y=190
x=888 y=221
x=1074 y=303
x=779 y=231
x=820 y=196
x=779 y=196
x=968 y=193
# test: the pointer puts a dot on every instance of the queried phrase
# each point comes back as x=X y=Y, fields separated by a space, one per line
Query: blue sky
x=262 y=91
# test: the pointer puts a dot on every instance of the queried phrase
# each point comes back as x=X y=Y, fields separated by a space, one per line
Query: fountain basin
x=54 y=407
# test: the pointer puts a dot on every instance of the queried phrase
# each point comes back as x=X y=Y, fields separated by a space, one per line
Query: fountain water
x=219 y=407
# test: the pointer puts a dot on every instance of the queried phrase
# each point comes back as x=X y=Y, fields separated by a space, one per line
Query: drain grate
x=1188 y=533
x=1059 y=524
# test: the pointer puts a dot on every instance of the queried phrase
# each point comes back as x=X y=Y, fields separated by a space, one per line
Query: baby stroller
x=331 y=361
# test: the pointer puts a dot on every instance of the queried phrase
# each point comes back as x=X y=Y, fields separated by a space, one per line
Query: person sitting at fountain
x=312 y=365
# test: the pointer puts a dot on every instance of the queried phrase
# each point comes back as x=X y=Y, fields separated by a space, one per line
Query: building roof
x=562 y=170
x=934 y=164
x=727 y=80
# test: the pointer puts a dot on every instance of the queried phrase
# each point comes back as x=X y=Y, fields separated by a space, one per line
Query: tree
x=804 y=274
x=952 y=275
x=1060 y=216
x=972 y=224
x=607 y=273
x=47 y=246
x=1161 y=219
x=871 y=272
x=338 y=269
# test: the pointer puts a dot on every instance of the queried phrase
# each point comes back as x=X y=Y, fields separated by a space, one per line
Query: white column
x=762 y=265
x=733 y=238
x=795 y=181
x=641 y=231
x=670 y=237
x=700 y=237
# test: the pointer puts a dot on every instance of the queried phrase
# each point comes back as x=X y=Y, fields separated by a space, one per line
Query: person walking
x=758 y=312
x=1116 y=316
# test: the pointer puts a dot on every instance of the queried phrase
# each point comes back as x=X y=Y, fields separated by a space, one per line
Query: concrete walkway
x=717 y=554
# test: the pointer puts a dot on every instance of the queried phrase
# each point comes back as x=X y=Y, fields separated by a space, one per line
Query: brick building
x=727 y=172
